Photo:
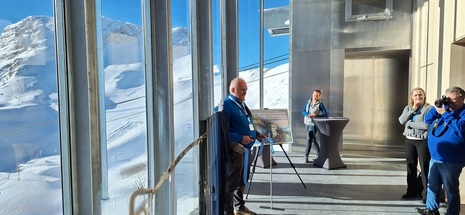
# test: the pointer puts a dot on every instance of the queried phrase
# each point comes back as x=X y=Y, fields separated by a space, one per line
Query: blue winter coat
x=239 y=120
x=446 y=140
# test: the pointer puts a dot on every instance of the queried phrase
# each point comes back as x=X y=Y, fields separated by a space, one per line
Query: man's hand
x=260 y=137
x=246 y=140
x=440 y=110
x=417 y=104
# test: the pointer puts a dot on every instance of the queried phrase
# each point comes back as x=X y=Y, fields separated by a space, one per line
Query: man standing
x=312 y=108
x=242 y=135
x=446 y=142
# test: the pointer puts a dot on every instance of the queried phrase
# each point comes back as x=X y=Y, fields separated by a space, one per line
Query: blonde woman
x=416 y=146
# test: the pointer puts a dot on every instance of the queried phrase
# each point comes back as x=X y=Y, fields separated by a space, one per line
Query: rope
x=163 y=178
x=170 y=169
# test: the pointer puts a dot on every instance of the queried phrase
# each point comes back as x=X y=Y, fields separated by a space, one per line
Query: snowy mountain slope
x=26 y=69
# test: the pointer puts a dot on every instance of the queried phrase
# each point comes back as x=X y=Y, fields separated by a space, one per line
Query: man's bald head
x=238 y=88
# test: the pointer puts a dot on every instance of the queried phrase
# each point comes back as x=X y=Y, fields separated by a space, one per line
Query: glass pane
x=186 y=173
x=276 y=54
x=30 y=162
x=124 y=72
x=368 y=6
x=249 y=49
x=366 y=10
x=276 y=51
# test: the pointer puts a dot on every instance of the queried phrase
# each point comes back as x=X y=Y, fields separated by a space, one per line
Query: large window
x=124 y=166
x=30 y=165
x=30 y=161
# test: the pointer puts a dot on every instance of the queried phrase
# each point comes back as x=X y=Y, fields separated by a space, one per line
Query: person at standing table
x=416 y=146
x=242 y=135
x=312 y=108
x=446 y=142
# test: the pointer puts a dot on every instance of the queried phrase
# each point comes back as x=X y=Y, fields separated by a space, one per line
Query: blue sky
x=12 y=11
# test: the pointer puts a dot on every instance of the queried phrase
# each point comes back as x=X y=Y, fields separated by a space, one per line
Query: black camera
x=442 y=101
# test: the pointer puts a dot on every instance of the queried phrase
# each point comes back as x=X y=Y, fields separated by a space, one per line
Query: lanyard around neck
x=240 y=106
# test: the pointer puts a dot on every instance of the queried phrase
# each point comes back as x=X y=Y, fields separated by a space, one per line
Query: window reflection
x=30 y=167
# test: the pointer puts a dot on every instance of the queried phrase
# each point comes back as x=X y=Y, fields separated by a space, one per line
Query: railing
x=146 y=206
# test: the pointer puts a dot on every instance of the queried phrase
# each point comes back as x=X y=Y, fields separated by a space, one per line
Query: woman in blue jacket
x=312 y=108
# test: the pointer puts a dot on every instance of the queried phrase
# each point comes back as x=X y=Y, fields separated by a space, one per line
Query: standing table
x=330 y=132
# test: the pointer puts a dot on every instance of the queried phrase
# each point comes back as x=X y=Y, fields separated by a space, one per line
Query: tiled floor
x=372 y=183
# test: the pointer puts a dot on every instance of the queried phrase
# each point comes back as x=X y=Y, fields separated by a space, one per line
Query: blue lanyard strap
x=240 y=106
x=271 y=145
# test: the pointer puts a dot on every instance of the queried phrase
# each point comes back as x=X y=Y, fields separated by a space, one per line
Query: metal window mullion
x=202 y=87
x=63 y=111
x=83 y=106
x=202 y=58
x=101 y=101
x=162 y=79
x=149 y=92
x=229 y=42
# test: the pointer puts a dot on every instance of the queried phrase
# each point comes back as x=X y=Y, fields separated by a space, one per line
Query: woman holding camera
x=416 y=146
